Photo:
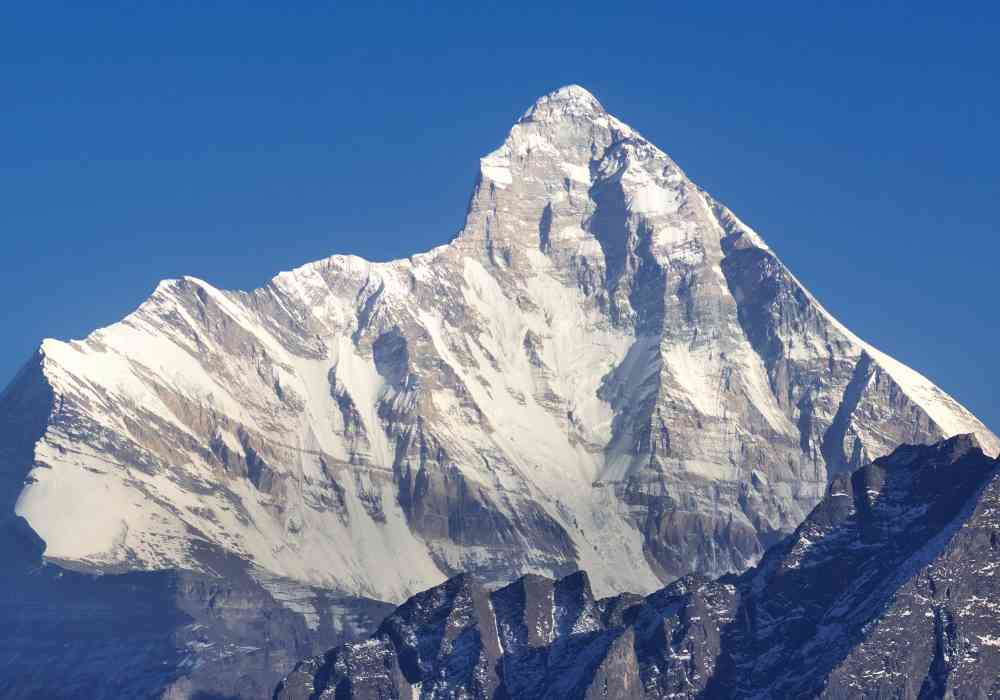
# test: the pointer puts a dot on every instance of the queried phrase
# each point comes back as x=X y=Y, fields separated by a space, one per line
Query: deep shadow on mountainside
x=170 y=634
x=889 y=588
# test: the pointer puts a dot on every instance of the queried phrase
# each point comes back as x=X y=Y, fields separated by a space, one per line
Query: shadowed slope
x=886 y=590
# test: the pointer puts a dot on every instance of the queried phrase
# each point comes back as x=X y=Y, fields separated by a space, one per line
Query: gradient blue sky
x=234 y=142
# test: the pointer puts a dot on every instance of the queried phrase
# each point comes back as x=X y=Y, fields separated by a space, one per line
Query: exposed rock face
x=605 y=369
x=890 y=588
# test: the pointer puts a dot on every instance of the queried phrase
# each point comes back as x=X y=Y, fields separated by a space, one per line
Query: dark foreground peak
x=887 y=589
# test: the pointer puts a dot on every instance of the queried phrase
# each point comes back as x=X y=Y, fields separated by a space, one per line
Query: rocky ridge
x=888 y=589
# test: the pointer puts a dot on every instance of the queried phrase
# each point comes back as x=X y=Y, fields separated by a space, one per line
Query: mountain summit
x=605 y=369
x=569 y=100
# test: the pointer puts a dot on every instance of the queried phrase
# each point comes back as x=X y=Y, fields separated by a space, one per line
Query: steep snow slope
x=605 y=369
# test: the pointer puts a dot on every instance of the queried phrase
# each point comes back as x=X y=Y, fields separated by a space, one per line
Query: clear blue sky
x=231 y=143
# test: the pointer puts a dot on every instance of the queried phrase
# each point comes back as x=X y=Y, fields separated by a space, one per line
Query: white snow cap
x=568 y=100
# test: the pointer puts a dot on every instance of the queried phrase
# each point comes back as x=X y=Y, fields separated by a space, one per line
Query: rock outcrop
x=889 y=588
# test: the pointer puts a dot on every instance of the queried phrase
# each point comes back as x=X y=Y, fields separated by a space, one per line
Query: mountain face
x=605 y=369
x=888 y=589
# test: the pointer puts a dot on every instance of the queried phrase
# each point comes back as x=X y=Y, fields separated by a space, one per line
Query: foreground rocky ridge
x=605 y=370
x=888 y=589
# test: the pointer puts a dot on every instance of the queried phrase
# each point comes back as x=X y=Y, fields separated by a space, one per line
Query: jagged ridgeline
x=888 y=589
x=605 y=369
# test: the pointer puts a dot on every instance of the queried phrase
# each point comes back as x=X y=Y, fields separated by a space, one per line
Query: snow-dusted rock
x=888 y=589
x=605 y=369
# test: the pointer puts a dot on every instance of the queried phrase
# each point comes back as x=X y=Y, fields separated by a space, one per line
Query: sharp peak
x=567 y=100
x=571 y=92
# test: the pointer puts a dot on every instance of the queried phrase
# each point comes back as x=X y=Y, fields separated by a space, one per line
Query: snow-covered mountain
x=887 y=590
x=605 y=369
